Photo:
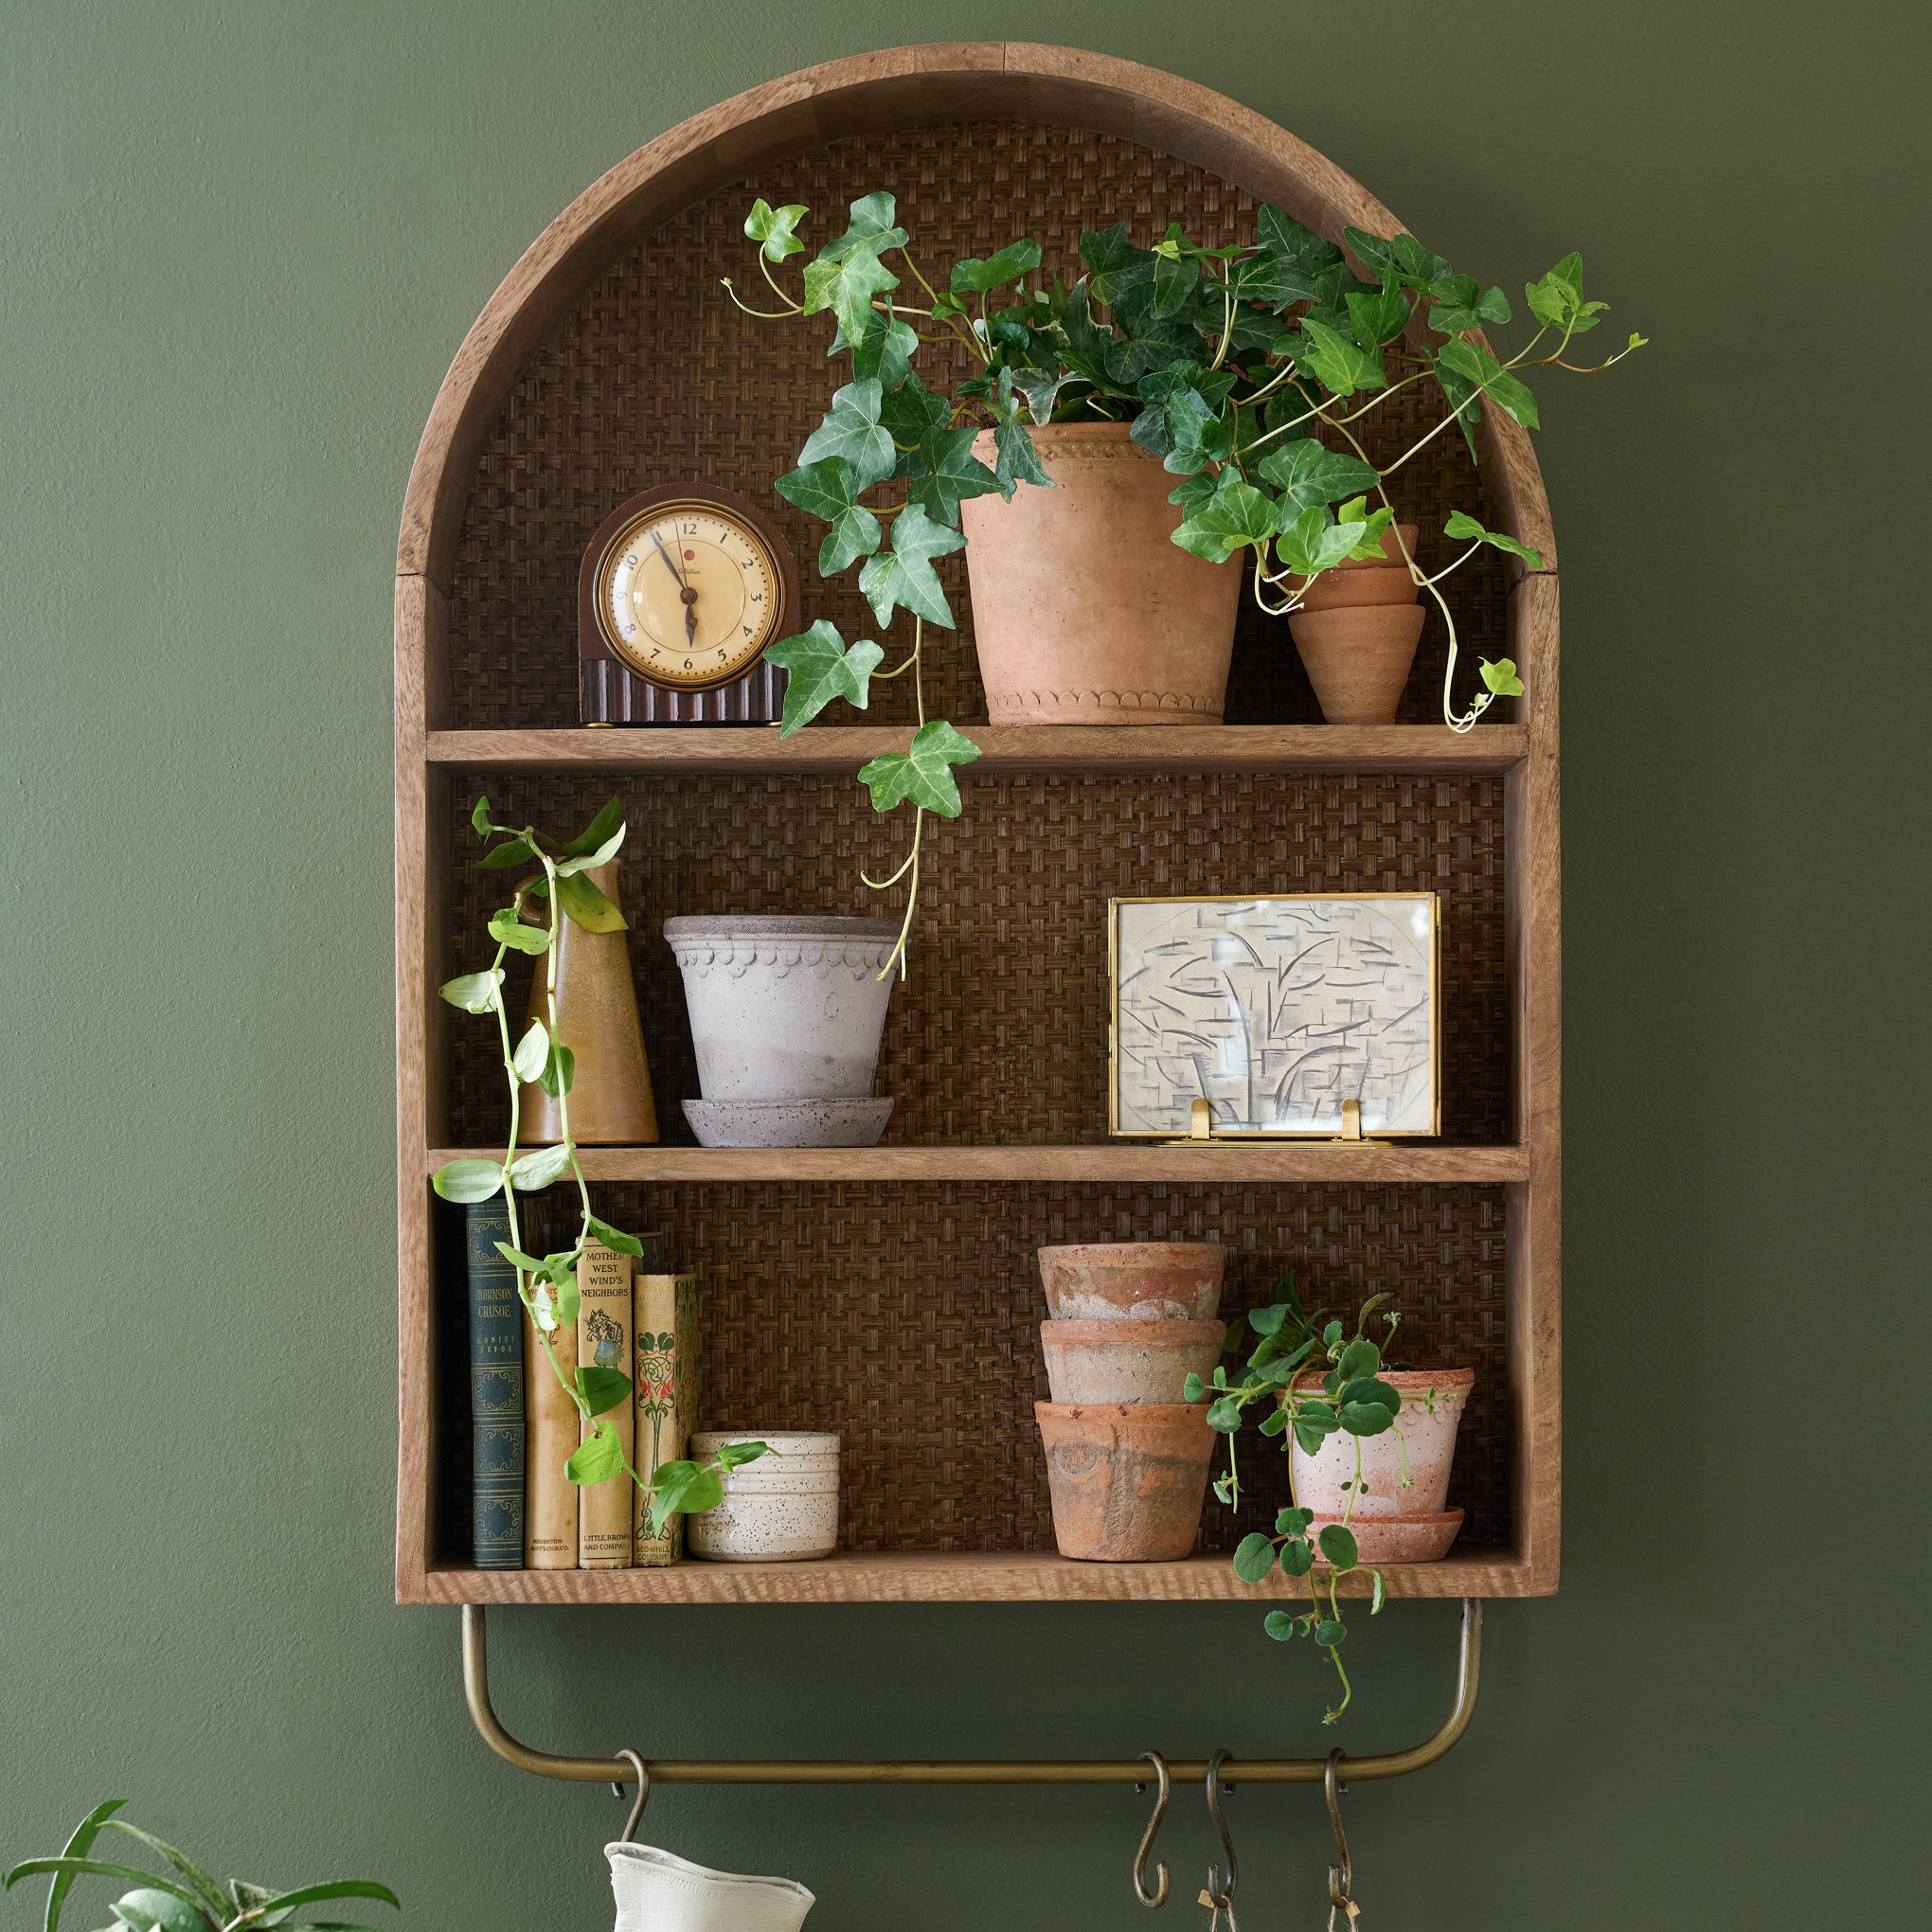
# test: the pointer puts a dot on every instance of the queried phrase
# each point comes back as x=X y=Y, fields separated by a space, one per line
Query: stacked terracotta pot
x=1127 y=1458
x=1357 y=630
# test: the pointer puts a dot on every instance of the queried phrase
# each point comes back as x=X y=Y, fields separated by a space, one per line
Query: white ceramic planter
x=782 y=1509
x=658 y=1892
x=784 y=1008
x=1128 y=1361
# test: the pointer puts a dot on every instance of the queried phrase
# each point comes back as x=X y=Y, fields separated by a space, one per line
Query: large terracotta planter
x=1392 y=1523
x=1358 y=657
x=1137 y=1280
x=1083 y=611
x=1128 y=1479
x=1128 y=1361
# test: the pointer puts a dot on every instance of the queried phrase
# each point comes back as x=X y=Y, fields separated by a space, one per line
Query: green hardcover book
x=496 y=1393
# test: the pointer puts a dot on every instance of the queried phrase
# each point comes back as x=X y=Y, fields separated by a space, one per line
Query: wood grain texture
x=1222 y=1161
x=969 y=1577
x=1002 y=748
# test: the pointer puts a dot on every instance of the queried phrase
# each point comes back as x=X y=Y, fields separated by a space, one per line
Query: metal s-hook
x=636 y=1765
x=1341 y=1876
x=1218 y=1897
x=1159 y=1897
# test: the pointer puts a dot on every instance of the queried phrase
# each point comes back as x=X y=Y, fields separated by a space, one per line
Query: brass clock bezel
x=595 y=631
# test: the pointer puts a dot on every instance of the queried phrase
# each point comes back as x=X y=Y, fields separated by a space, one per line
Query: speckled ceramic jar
x=782 y=1509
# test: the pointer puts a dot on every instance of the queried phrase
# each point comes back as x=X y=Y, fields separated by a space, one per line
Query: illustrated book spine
x=551 y=1499
x=496 y=1393
x=603 y=1341
x=666 y=1386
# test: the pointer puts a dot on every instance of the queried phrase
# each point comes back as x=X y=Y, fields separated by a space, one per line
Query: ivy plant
x=1311 y=1381
x=1246 y=370
x=186 y=1899
x=555 y=882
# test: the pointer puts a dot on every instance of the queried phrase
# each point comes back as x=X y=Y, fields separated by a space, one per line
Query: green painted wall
x=242 y=243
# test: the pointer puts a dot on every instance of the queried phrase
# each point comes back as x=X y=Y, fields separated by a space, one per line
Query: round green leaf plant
x=1246 y=370
x=556 y=881
x=1310 y=1381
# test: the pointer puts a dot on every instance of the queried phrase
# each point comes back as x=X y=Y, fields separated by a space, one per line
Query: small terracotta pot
x=1430 y=1440
x=1128 y=1361
x=1128 y=1479
x=1357 y=580
x=1137 y=1280
x=1357 y=658
x=1083 y=611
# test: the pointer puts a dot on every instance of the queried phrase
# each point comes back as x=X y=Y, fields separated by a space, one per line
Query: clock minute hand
x=687 y=594
x=669 y=563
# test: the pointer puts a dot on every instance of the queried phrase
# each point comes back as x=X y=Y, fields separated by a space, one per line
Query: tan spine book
x=603 y=1341
x=666 y=1382
x=550 y=1497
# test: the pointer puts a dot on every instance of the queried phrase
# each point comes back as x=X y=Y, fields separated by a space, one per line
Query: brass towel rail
x=957 y=1771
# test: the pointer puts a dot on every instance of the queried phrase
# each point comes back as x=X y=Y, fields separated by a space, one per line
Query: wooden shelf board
x=993 y=1575
x=1003 y=748
x=1219 y=1161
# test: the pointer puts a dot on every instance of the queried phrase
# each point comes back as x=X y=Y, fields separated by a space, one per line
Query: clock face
x=689 y=595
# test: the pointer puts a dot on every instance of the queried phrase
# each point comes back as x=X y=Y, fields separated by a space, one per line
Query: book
x=603 y=1340
x=665 y=1386
x=496 y=1393
x=551 y=1499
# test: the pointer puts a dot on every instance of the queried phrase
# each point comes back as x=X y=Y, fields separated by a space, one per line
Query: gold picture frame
x=1385 y=1092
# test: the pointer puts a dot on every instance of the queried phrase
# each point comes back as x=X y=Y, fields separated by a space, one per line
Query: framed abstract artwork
x=1274 y=1011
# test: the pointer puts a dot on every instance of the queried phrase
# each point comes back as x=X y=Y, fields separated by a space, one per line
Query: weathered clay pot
x=1359 y=581
x=1083 y=611
x=1357 y=658
x=1128 y=1361
x=1128 y=1479
x=1138 y=1281
x=1391 y=1523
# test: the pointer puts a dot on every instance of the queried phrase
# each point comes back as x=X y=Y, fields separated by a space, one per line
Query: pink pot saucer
x=1402 y=1539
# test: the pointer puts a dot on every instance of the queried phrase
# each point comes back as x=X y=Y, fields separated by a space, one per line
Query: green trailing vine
x=547 y=1284
x=1239 y=367
x=1312 y=1381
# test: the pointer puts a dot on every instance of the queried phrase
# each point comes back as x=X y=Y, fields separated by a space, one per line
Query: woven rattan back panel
x=907 y=1318
x=656 y=376
x=1001 y=1035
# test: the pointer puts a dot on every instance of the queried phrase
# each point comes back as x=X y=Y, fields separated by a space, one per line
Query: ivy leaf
x=1197 y=434
x=1174 y=282
x=467 y=1180
x=1309 y=476
x=1041 y=385
x=1253 y=1557
x=1481 y=370
x=851 y=432
x=1146 y=340
x=584 y=905
x=1292 y=243
x=1400 y=258
x=1465 y=530
x=1194 y=493
x=910 y=410
x=847 y=284
x=1114 y=263
x=1341 y=366
x=828 y=490
x=822 y=670
x=1238 y=514
x=1466 y=404
x=905 y=575
x=615 y=1237
x=1016 y=460
x=885 y=352
x=773 y=230
x=1557 y=299
x=1269 y=278
x=598 y=1457
x=559 y=1071
x=1297 y=1557
x=533 y=1172
x=979 y=278
x=532 y=1052
x=923 y=773
x=1501 y=677
x=1378 y=318
x=1461 y=303
x=602 y=1388
x=507 y=930
x=952 y=472
x=474 y=992
x=873 y=224
x=609 y=817
x=1311 y=544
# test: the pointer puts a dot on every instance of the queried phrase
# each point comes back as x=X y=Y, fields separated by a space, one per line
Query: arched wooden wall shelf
x=1466 y=1228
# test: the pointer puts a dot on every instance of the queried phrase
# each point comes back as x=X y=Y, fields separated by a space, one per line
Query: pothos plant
x=189 y=1900
x=1239 y=367
x=1312 y=1381
x=555 y=879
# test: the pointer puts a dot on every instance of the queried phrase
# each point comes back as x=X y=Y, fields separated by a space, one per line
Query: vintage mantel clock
x=680 y=591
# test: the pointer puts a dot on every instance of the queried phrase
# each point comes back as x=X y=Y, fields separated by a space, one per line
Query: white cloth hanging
x=657 y=1891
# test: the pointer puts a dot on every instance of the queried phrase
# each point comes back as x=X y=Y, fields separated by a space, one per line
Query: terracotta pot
x=1357 y=658
x=1388 y=1518
x=1357 y=580
x=597 y=1018
x=1083 y=611
x=1138 y=1281
x=1128 y=1361
x=1128 y=1479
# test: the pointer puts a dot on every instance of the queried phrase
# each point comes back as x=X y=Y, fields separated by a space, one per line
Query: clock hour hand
x=687 y=594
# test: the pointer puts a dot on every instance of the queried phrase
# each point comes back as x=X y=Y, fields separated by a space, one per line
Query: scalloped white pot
x=785 y=1009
